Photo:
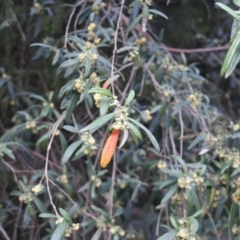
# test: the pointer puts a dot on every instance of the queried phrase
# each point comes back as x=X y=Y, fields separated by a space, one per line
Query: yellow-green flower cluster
x=185 y=232
x=170 y=67
x=235 y=230
x=121 y=183
x=89 y=142
x=25 y=197
x=101 y=223
x=121 y=118
x=134 y=53
x=117 y=230
x=63 y=179
x=234 y=127
x=97 y=7
x=91 y=53
x=162 y=164
x=198 y=180
x=176 y=199
x=195 y=99
x=96 y=180
x=94 y=78
x=37 y=7
x=32 y=125
x=185 y=182
x=79 y=84
x=91 y=34
x=217 y=195
x=97 y=98
x=236 y=196
x=37 y=189
x=148 y=115
x=70 y=227
x=141 y=41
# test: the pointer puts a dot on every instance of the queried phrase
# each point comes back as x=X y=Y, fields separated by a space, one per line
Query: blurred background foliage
x=151 y=194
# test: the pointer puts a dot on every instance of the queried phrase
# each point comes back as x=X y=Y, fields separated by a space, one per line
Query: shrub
x=125 y=140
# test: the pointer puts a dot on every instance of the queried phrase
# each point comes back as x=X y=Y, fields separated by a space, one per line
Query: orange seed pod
x=109 y=148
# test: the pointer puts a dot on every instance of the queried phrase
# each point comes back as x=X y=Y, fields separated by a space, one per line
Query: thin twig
x=4 y=233
x=45 y=175
x=69 y=21
x=116 y=36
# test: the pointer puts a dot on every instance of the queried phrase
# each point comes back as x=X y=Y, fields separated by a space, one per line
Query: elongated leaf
x=231 y=218
x=101 y=91
x=39 y=204
x=169 y=194
x=72 y=103
x=200 y=138
x=237 y=2
x=232 y=58
x=56 y=57
x=104 y=105
x=70 y=150
x=228 y=10
x=125 y=48
x=47 y=215
x=135 y=131
x=154 y=11
x=182 y=163
x=130 y=97
x=70 y=128
x=59 y=231
x=134 y=23
x=169 y=235
x=110 y=80
x=65 y=214
x=124 y=138
x=98 y=122
x=150 y=136
x=97 y=234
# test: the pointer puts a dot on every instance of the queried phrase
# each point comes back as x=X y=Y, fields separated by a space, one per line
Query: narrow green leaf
x=56 y=57
x=125 y=48
x=99 y=210
x=104 y=105
x=232 y=58
x=150 y=136
x=101 y=91
x=65 y=214
x=38 y=203
x=99 y=122
x=71 y=106
x=111 y=79
x=70 y=150
x=97 y=234
x=87 y=67
x=169 y=235
x=182 y=162
x=154 y=11
x=124 y=138
x=169 y=194
x=135 y=131
x=173 y=173
x=134 y=23
x=130 y=97
x=237 y=2
x=228 y=10
x=59 y=231
x=200 y=138
x=70 y=128
x=47 y=215
x=231 y=218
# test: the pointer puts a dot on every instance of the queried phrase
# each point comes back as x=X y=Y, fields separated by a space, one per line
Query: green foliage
x=78 y=76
